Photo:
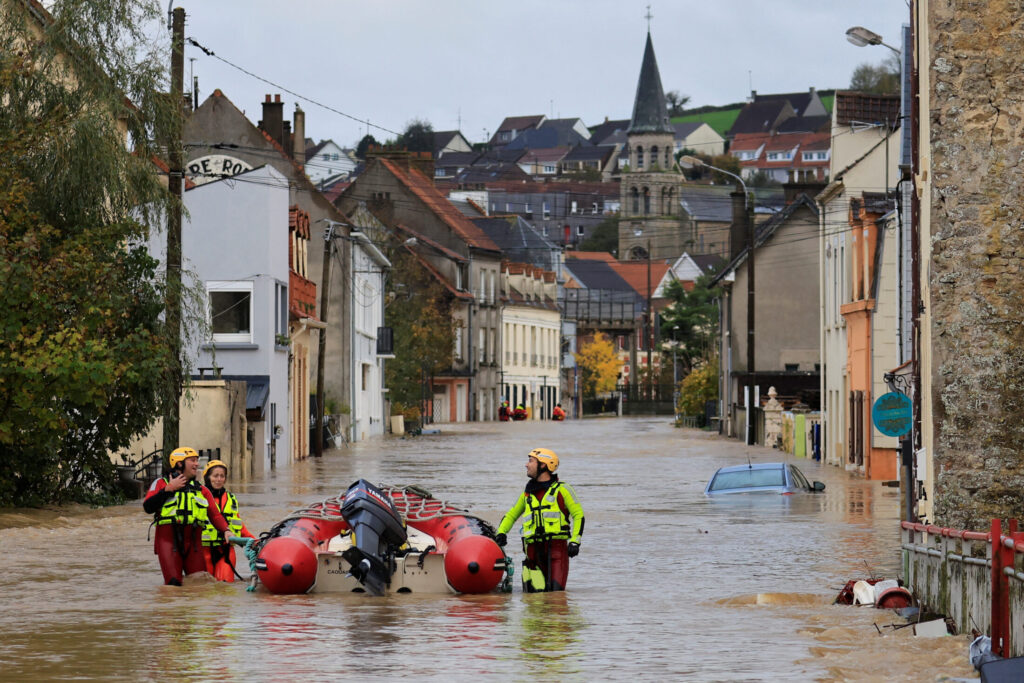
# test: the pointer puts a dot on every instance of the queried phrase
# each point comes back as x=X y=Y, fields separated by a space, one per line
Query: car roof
x=753 y=466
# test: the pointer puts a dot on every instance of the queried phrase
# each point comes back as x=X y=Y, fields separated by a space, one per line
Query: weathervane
x=648 y=17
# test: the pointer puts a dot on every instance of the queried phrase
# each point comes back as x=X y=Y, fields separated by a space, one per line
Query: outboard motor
x=379 y=532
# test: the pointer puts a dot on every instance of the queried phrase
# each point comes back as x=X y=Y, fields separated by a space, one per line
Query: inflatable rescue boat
x=380 y=540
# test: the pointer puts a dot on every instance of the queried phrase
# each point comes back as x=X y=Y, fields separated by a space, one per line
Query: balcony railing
x=301 y=296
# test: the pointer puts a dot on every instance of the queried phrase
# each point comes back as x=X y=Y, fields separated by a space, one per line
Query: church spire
x=650 y=111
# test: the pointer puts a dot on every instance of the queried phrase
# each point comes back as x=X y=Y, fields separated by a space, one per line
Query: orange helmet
x=546 y=457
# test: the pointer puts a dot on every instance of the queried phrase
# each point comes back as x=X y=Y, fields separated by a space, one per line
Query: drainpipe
x=470 y=408
x=354 y=402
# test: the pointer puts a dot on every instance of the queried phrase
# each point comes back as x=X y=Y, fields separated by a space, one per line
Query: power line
x=210 y=53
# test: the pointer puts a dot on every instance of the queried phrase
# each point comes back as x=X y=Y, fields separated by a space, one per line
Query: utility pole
x=172 y=300
x=325 y=286
x=751 y=368
x=750 y=290
x=650 y=327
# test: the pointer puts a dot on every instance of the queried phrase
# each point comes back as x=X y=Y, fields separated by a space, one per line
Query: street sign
x=893 y=413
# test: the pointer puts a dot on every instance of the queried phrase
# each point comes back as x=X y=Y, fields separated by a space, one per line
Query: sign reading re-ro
x=893 y=413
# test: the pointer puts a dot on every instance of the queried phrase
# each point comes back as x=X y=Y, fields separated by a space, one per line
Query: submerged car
x=771 y=477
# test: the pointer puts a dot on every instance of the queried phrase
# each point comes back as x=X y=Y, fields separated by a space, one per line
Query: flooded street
x=667 y=583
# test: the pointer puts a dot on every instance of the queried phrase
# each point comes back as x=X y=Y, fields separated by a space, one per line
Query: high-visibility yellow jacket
x=186 y=506
x=547 y=517
x=229 y=508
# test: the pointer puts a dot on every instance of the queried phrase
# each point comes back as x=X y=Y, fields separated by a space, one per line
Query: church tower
x=649 y=214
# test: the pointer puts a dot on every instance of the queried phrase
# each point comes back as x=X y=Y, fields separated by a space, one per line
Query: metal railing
x=601 y=305
x=973 y=577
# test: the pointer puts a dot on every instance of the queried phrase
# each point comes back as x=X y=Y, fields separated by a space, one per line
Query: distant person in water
x=520 y=413
x=558 y=414
x=504 y=414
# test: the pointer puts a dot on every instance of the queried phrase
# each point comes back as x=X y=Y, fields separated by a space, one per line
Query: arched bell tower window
x=636 y=200
x=639 y=156
x=638 y=253
x=654 y=155
x=647 y=200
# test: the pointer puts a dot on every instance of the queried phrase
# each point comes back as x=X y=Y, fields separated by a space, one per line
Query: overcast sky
x=390 y=61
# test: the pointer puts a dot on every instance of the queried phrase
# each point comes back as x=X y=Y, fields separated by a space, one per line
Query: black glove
x=574 y=549
x=501 y=540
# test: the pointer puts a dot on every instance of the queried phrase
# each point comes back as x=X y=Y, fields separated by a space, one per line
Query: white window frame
x=230 y=286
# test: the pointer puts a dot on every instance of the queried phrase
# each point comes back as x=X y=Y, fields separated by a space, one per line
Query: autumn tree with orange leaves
x=599 y=366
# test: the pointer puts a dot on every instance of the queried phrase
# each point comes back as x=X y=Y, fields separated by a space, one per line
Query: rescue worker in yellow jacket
x=219 y=555
x=553 y=526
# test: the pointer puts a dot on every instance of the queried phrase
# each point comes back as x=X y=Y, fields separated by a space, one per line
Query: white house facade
x=531 y=339
x=234 y=241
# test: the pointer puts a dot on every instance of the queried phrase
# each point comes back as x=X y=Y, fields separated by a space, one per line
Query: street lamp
x=675 y=374
x=687 y=161
x=862 y=37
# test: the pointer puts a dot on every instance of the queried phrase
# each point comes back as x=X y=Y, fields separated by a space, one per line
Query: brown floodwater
x=668 y=583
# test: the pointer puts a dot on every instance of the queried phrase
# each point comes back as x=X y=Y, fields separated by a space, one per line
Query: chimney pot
x=266 y=98
x=277 y=98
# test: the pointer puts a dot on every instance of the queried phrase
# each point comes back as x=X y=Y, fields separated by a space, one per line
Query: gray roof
x=582 y=153
x=709 y=203
x=460 y=159
x=494 y=171
x=650 y=111
x=558 y=133
x=601 y=131
x=806 y=124
x=684 y=128
x=708 y=263
x=513 y=235
x=465 y=208
x=595 y=274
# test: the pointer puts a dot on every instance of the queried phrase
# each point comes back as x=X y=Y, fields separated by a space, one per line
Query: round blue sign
x=893 y=413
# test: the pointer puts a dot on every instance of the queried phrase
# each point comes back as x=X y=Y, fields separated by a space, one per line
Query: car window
x=749 y=478
x=798 y=478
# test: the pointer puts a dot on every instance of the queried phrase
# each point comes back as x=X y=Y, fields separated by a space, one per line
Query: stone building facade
x=971 y=142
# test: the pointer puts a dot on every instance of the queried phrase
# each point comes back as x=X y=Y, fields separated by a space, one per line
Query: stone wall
x=977 y=289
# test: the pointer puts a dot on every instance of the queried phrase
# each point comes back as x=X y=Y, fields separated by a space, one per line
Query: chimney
x=422 y=162
x=738 y=229
x=794 y=189
x=299 y=135
x=273 y=117
x=286 y=137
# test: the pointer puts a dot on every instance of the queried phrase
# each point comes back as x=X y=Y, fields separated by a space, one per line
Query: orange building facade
x=867 y=357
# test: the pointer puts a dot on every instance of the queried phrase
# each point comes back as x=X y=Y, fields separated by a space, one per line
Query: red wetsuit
x=178 y=546
x=551 y=557
x=220 y=559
